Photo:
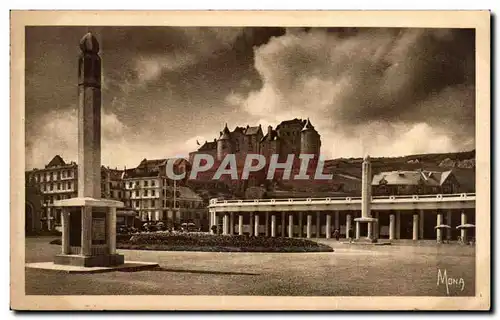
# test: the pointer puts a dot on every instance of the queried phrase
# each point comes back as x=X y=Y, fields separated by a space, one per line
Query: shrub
x=208 y=242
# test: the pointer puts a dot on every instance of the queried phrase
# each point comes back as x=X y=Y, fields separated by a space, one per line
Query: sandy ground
x=401 y=270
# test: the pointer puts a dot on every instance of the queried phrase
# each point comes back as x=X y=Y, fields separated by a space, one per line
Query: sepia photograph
x=250 y=160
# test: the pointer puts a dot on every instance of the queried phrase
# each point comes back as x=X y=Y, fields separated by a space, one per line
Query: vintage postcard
x=287 y=160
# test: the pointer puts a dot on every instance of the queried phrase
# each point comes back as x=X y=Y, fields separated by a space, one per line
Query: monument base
x=104 y=260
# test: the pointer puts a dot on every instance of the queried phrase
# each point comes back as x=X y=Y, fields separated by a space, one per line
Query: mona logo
x=442 y=278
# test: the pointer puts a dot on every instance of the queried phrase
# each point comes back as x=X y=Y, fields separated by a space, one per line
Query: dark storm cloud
x=414 y=89
x=154 y=79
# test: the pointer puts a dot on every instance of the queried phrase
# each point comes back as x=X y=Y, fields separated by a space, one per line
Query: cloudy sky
x=385 y=92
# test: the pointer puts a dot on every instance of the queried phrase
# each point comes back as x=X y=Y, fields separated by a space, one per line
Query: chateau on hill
x=295 y=136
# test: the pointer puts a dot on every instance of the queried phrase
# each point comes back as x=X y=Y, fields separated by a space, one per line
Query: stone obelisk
x=89 y=118
x=89 y=222
x=366 y=199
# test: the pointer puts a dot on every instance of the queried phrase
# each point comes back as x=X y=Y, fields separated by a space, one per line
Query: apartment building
x=158 y=198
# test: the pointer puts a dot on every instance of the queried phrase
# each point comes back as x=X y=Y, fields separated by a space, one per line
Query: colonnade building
x=441 y=216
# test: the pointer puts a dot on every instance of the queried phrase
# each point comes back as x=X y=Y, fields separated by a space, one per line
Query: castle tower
x=310 y=141
x=223 y=144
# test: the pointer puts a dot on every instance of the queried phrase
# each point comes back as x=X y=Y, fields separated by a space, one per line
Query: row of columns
x=394 y=225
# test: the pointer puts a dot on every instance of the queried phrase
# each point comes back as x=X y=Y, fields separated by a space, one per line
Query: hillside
x=347 y=172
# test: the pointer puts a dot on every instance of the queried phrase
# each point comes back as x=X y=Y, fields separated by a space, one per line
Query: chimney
x=269 y=131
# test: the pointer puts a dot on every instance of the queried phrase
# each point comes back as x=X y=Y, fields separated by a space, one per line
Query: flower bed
x=196 y=241
x=219 y=243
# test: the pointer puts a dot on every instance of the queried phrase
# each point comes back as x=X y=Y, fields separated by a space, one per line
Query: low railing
x=437 y=197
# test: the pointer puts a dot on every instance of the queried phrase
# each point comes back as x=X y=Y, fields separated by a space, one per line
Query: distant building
x=158 y=198
x=290 y=137
x=414 y=182
x=56 y=181
x=295 y=137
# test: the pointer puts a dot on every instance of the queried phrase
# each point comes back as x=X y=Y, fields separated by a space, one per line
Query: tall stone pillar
x=376 y=225
x=65 y=231
x=448 y=222
x=86 y=231
x=98 y=216
x=369 y=233
x=50 y=220
x=348 y=226
x=421 y=224
x=111 y=230
x=463 y=231
x=439 y=236
x=415 y=226
x=251 y=224
x=256 y=232
x=328 y=225
x=267 y=224
x=290 y=226
x=283 y=221
x=231 y=223
x=357 y=230
x=240 y=224
x=217 y=224
x=392 y=223
x=225 y=224
x=301 y=225
x=308 y=227
x=273 y=225
x=398 y=225
x=318 y=225
x=337 y=220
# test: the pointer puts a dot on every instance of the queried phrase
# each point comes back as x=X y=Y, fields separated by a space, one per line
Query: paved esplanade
x=344 y=210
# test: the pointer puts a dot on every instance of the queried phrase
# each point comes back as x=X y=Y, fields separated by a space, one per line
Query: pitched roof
x=274 y=136
x=225 y=134
x=429 y=178
x=145 y=163
x=208 y=146
x=141 y=173
x=293 y=121
x=252 y=130
x=57 y=161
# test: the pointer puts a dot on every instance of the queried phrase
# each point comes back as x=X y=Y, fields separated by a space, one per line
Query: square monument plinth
x=89 y=233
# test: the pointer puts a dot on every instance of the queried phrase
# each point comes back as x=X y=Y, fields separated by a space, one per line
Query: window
x=145 y=193
x=47 y=175
x=145 y=183
x=130 y=185
x=69 y=185
x=137 y=204
x=152 y=203
x=63 y=174
x=152 y=183
x=163 y=192
x=51 y=187
x=152 y=193
x=136 y=193
x=43 y=187
x=119 y=194
x=54 y=176
x=42 y=178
